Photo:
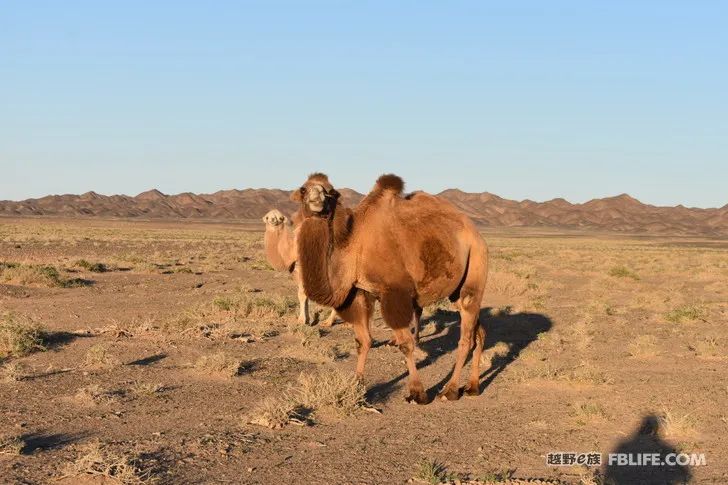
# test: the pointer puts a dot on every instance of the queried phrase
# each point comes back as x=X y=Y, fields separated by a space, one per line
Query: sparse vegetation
x=92 y=267
x=500 y=476
x=146 y=389
x=261 y=265
x=101 y=460
x=96 y=394
x=643 y=346
x=588 y=411
x=594 y=352
x=13 y=372
x=37 y=275
x=277 y=412
x=19 y=335
x=98 y=357
x=331 y=390
x=708 y=346
x=11 y=445
x=677 y=425
x=623 y=272
x=311 y=339
x=243 y=312
x=220 y=363
x=433 y=472
x=686 y=313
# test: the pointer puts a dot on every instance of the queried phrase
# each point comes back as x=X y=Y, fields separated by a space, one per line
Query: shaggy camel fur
x=280 y=251
x=407 y=252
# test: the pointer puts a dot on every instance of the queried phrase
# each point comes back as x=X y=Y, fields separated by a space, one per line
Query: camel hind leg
x=473 y=388
x=472 y=334
x=468 y=323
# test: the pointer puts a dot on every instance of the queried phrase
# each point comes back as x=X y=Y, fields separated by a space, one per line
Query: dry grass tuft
x=583 y=373
x=707 y=347
x=220 y=363
x=331 y=390
x=95 y=394
x=92 y=267
x=243 y=312
x=19 y=335
x=99 y=460
x=98 y=357
x=11 y=445
x=277 y=412
x=146 y=389
x=37 y=275
x=433 y=472
x=677 y=425
x=643 y=346
x=623 y=272
x=507 y=283
x=13 y=372
x=311 y=340
x=589 y=411
x=261 y=265
x=687 y=313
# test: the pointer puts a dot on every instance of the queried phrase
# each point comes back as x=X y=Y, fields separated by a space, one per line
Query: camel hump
x=390 y=182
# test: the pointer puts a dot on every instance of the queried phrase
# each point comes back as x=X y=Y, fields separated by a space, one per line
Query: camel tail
x=390 y=182
x=472 y=286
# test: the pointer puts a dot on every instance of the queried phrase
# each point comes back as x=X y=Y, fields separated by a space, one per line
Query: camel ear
x=297 y=195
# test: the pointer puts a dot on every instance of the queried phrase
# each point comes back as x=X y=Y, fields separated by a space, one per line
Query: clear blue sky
x=535 y=100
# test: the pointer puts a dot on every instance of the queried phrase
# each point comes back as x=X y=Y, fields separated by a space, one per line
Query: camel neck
x=321 y=244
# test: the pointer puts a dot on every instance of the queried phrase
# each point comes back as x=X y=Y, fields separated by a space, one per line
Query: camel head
x=274 y=218
x=317 y=196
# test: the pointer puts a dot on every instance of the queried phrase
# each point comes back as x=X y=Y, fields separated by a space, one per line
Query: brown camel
x=407 y=252
x=280 y=251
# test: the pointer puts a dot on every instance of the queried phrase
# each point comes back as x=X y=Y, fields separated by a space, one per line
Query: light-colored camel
x=407 y=252
x=280 y=251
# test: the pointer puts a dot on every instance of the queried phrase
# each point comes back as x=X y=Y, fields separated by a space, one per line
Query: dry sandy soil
x=178 y=360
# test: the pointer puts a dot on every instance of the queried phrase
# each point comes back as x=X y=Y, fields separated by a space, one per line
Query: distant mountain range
x=621 y=213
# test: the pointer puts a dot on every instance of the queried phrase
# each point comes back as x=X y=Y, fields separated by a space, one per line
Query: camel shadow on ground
x=516 y=331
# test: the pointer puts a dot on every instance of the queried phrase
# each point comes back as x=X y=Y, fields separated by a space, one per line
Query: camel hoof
x=326 y=323
x=450 y=393
x=419 y=397
x=472 y=391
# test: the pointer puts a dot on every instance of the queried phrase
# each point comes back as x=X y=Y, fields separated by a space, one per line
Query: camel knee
x=362 y=345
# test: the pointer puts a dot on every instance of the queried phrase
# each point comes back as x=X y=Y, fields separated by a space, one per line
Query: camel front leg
x=398 y=312
x=416 y=323
x=359 y=314
x=407 y=346
x=302 y=306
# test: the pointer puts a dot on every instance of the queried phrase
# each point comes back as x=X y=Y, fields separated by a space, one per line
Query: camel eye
x=302 y=190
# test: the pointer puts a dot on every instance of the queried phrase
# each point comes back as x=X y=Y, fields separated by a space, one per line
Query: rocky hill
x=621 y=213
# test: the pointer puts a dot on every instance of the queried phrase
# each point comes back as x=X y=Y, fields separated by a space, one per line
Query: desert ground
x=169 y=352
